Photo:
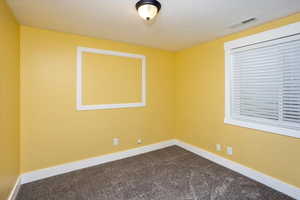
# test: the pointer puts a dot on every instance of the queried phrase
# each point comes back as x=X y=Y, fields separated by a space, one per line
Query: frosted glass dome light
x=148 y=9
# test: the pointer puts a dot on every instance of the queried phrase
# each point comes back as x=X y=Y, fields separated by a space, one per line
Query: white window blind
x=265 y=83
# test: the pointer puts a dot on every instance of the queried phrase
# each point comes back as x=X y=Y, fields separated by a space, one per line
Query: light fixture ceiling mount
x=148 y=9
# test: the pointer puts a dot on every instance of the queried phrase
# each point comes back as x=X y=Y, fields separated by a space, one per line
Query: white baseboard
x=274 y=183
x=61 y=169
x=15 y=190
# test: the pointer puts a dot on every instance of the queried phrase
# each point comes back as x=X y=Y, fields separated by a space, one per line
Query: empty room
x=150 y=100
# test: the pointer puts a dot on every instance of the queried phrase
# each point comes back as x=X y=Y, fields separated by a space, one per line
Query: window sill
x=272 y=129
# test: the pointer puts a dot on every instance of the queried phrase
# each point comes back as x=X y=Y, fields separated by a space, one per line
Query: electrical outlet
x=229 y=150
x=116 y=141
x=139 y=141
x=218 y=147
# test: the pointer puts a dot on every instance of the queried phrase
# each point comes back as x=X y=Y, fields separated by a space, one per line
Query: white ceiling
x=180 y=23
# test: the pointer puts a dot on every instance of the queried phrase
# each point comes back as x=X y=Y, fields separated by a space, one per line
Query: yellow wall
x=53 y=132
x=200 y=111
x=9 y=100
x=110 y=79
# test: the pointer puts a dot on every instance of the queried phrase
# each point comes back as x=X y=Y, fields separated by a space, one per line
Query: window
x=263 y=81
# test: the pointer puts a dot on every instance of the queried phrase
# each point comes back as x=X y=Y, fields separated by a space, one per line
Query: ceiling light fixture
x=148 y=9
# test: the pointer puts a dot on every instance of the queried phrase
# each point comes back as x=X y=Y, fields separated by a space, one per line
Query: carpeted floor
x=168 y=174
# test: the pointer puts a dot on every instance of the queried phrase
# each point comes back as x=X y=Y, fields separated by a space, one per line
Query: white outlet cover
x=139 y=141
x=116 y=141
x=229 y=150
x=218 y=147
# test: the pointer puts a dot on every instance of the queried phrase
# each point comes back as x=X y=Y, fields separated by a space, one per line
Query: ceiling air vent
x=247 y=21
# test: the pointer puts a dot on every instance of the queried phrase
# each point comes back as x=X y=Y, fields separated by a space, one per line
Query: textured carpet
x=168 y=174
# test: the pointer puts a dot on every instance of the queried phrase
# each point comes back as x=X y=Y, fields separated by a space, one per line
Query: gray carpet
x=167 y=174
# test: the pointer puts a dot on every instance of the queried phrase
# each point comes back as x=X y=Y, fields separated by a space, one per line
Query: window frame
x=282 y=32
x=79 y=104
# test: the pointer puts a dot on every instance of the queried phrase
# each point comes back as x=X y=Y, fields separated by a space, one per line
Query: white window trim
x=80 y=106
x=285 y=31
